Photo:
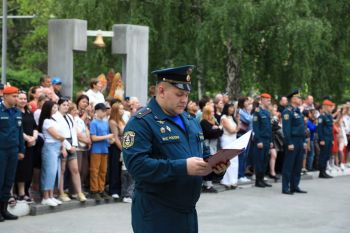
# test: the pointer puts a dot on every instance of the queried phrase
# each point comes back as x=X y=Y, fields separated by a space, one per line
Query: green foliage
x=279 y=44
x=23 y=78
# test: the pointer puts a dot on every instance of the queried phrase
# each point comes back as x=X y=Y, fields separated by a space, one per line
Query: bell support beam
x=65 y=36
x=131 y=42
x=128 y=41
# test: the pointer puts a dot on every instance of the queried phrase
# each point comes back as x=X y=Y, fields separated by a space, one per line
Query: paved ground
x=325 y=209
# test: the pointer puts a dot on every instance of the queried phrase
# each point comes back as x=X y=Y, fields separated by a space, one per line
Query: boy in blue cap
x=162 y=149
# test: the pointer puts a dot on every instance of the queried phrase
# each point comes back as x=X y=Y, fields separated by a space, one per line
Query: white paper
x=242 y=142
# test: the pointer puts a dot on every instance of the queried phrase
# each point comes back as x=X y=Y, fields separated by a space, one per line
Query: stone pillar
x=65 y=36
x=131 y=42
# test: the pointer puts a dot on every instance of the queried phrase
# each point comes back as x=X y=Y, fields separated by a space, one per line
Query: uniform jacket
x=293 y=125
x=11 y=131
x=262 y=126
x=325 y=127
x=155 y=150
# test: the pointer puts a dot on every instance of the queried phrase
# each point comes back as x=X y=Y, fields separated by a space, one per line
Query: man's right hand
x=197 y=167
x=322 y=143
x=291 y=147
x=260 y=145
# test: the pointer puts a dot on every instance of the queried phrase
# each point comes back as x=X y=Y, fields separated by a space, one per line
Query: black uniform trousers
x=8 y=166
x=149 y=216
x=261 y=156
x=292 y=165
x=325 y=153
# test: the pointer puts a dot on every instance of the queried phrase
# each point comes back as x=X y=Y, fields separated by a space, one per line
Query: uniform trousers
x=8 y=165
x=292 y=165
x=325 y=153
x=260 y=156
x=149 y=216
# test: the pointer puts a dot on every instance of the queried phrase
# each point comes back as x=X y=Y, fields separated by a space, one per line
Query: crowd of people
x=223 y=120
x=73 y=146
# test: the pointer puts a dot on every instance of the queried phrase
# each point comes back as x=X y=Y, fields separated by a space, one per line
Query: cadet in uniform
x=295 y=143
x=262 y=141
x=11 y=147
x=163 y=151
x=325 y=136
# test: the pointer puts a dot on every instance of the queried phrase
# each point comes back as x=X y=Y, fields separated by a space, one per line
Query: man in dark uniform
x=295 y=143
x=163 y=151
x=325 y=136
x=11 y=147
x=262 y=141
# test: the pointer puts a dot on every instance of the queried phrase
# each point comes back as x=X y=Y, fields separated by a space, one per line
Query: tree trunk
x=199 y=75
x=233 y=71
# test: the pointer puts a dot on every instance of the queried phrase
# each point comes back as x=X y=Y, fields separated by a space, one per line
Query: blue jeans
x=310 y=156
x=50 y=166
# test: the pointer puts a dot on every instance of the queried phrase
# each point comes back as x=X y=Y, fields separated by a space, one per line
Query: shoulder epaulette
x=142 y=112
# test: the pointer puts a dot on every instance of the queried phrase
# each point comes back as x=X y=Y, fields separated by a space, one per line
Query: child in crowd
x=100 y=136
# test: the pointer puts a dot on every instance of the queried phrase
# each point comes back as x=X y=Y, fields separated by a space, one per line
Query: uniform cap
x=56 y=81
x=178 y=76
x=10 y=90
x=100 y=106
x=265 y=95
x=295 y=93
x=328 y=103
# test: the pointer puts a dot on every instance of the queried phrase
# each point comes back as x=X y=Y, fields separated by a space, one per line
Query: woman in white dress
x=230 y=127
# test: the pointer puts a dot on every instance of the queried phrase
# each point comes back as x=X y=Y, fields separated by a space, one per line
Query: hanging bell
x=99 y=43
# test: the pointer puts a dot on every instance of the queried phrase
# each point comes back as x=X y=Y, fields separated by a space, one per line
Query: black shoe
x=324 y=175
x=259 y=184
x=267 y=184
x=299 y=191
x=274 y=177
x=205 y=189
x=5 y=214
x=287 y=192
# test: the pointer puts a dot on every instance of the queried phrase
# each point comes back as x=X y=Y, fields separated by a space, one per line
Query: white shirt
x=126 y=116
x=95 y=97
x=346 y=120
x=37 y=116
x=67 y=129
x=49 y=123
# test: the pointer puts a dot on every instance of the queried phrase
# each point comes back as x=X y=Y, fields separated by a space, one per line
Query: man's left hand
x=221 y=168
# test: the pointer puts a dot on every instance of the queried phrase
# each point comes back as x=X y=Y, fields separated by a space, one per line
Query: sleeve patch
x=128 y=139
